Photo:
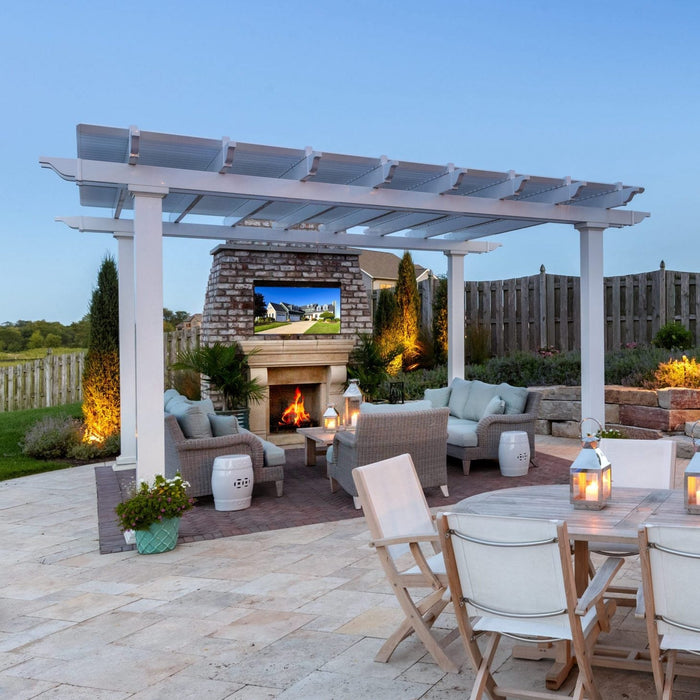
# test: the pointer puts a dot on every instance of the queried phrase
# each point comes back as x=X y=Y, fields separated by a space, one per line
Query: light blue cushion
x=514 y=396
x=461 y=433
x=223 y=425
x=479 y=396
x=439 y=398
x=421 y=405
x=459 y=395
x=192 y=417
x=329 y=454
x=495 y=407
x=168 y=396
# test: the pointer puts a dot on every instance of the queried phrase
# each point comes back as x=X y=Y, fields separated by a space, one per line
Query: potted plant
x=153 y=512
x=225 y=369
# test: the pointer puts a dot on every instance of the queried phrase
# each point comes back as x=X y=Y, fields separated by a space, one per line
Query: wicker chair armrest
x=505 y=419
x=222 y=443
x=345 y=437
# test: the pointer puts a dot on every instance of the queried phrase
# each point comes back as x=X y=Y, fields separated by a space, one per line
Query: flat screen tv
x=297 y=308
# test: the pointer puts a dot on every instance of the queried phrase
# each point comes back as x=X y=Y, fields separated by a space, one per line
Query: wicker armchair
x=379 y=436
x=194 y=458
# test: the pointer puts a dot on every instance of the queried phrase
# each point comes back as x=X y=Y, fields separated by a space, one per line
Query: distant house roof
x=380 y=265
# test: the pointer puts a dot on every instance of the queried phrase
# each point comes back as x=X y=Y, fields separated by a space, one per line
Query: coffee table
x=318 y=440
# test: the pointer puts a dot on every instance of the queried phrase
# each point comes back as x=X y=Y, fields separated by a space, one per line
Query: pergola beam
x=95 y=224
x=87 y=172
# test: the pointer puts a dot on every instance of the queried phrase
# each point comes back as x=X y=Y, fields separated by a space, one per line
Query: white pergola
x=268 y=194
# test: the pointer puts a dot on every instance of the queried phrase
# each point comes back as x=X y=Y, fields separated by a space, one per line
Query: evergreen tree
x=387 y=329
x=408 y=302
x=101 y=373
x=440 y=321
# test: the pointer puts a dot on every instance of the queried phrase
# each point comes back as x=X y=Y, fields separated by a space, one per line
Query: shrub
x=52 y=437
x=673 y=336
x=93 y=451
x=634 y=366
x=477 y=345
x=684 y=373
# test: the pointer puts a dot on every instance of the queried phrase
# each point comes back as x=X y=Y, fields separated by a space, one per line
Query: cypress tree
x=440 y=320
x=408 y=302
x=101 y=373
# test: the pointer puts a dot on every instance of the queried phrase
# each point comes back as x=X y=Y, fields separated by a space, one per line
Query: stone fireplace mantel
x=320 y=361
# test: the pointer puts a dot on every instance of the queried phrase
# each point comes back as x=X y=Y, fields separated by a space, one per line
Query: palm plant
x=225 y=368
x=369 y=363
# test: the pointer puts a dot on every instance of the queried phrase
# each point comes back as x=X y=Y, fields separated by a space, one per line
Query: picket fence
x=56 y=380
x=527 y=313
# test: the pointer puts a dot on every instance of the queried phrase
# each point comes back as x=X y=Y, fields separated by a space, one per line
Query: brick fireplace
x=316 y=364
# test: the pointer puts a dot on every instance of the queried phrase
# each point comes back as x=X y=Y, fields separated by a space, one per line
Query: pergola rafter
x=268 y=194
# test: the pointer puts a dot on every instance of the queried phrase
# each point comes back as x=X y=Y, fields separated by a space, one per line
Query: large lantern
x=691 y=477
x=590 y=476
x=353 y=399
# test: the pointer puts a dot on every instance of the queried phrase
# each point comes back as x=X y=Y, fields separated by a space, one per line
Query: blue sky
x=602 y=91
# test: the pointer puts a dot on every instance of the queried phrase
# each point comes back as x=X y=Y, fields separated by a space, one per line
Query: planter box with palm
x=369 y=363
x=226 y=370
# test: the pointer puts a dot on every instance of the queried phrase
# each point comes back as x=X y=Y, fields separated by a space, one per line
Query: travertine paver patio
x=294 y=613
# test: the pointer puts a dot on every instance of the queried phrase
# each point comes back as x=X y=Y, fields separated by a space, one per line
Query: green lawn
x=325 y=328
x=13 y=426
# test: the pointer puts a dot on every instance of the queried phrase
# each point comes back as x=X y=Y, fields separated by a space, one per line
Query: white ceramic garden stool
x=232 y=482
x=514 y=453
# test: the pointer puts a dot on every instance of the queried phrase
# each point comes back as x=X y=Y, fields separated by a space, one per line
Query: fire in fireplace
x=291 y=412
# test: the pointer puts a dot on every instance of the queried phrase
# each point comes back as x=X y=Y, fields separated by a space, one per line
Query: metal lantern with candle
x=330 y=419
x=691 y=477
x=353 y=399
x=590 y=476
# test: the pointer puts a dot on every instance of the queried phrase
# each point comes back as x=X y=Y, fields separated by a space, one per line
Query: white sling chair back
x=670 y=561
x=644 y=464
x=515 y=577
x=399 y=521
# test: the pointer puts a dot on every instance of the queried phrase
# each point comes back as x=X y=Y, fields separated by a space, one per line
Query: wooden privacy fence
x=529 y=313
x=54 y=380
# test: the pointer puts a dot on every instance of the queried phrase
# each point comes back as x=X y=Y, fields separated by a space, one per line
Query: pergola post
x=148 y=286
x=127 y=353
x=455 y=315
x=592 y=323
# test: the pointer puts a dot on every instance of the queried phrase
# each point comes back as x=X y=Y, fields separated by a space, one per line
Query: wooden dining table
x=617 y=523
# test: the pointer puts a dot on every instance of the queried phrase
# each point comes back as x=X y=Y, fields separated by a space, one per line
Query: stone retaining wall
x=636 y=413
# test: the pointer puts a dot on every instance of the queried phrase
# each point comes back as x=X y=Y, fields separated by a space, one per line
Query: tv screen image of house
x=296 y=309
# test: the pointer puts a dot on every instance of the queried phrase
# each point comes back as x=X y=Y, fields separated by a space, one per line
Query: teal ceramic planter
x=160 y=537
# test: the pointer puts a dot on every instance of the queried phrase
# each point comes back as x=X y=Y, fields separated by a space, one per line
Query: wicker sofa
x=387 y=433
x=480 y=412
x=195 y=436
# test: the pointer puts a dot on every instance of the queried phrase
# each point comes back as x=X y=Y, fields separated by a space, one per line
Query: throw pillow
x=458 y=396
x=479 y=396
x=495 y=407
x=514 y=396
x=223 y=425
x=439 y=398
x=192 y=417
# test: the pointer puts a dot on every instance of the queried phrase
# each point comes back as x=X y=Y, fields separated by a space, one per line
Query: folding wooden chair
x=644 y=464
x=399 y=521
x=670 y=561
x=515 y=577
